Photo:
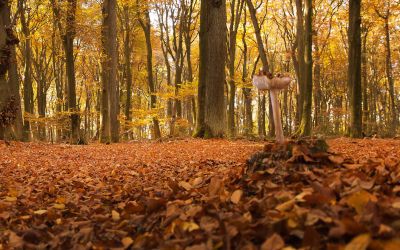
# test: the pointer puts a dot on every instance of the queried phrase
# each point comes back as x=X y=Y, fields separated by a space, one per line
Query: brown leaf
x=360 y=242
x=185 y=185
x=275 y=242
x=359 y=200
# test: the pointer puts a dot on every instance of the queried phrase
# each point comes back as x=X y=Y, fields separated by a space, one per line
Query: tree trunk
x=28 y=89
x=300 y=61
x=212 y=115
x=354 y=71
x=306 y=122
x=389 y=75
x=236 y=12
x=146 y=26
x=109 y=107
x=70 y=70
x=4 y=66
x=128 y=66
x=13 y=82
x=246 y=91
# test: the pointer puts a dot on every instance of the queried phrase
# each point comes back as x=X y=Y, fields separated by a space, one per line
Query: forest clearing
x=197 y=194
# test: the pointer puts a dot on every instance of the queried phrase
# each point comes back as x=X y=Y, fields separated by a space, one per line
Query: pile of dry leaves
x=199 y=195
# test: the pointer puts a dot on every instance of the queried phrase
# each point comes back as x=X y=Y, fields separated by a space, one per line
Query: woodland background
x=122 y=70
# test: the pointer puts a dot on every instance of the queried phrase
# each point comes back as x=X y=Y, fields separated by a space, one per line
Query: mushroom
x=274 y=85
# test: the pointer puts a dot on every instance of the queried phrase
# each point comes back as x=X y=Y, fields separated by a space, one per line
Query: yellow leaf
x=236 y=196
x=11 y=199
x=40 y=212
x=197 y=181
x=127 y=241
x=360 y=242
x=59 y=206
x=359 y=200
x=115 y=215
x=185 y=185
x=189 y=226
x=286 y=206
x=396 y=204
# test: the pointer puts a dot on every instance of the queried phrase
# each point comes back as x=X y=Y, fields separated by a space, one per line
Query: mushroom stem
x=277 y=116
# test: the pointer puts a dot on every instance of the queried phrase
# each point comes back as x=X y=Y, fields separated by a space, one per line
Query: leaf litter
x=195 y=194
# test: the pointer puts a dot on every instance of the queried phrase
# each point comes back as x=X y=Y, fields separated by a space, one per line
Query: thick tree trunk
x=4 y=66
x=13 y=82
x=354 y=71
x=212 y=113
x=306 y=121
x=109 y=107
x=70 y=70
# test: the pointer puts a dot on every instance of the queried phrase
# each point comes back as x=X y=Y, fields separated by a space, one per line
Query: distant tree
x=145 y=23
x=212 y=113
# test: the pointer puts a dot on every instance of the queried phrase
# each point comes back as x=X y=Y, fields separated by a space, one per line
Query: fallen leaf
x=359 y=200
x=336 y=159
x=10 y=198
x=201 y=246
x=189 y=226
x=236 y=196
x=40 y=212
x=14 y=241
x=360 y=242
x=115 y=215
x=275 y=242
x=286 y=206
x=59 y=206
x=185 y=185
x=127 y=241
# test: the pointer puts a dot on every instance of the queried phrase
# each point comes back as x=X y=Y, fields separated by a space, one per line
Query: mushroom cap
x=280 y=82
x=261 y=82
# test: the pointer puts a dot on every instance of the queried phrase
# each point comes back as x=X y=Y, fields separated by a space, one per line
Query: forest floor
x=195 y=194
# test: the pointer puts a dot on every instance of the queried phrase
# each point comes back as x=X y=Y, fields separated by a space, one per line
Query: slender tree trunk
x=146 y=26
x=354 y=77
x=257 y=31
x=300 y=61
x=128 y=66
x=246 y=91
x=389 y=74
x=28 y=89
x=236 y=12
x=364 y=60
